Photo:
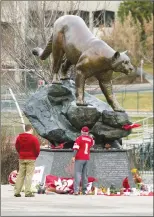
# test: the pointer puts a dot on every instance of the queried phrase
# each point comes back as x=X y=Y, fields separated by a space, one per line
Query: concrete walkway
x=69 y=205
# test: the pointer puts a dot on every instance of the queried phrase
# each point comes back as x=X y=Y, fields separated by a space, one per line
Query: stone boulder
x=78 y=116
x=53 y=113
x=115 y=119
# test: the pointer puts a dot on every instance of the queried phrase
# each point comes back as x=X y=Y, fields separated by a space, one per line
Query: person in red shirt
x=81 y=158
x=28 y=148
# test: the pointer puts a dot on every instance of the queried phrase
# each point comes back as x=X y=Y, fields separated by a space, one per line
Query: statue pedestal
x=109 y=167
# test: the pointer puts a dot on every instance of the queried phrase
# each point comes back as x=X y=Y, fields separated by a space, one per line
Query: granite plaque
x=109 y=167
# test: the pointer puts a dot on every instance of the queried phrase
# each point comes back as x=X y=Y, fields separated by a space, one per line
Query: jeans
x=81 y=171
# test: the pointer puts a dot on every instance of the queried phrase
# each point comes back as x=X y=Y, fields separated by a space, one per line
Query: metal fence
x=142 y=154
x=143 y=157
x=141 y=145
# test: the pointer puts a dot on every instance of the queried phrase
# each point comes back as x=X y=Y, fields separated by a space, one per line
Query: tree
x=120 y=36
x=148 y=54
x=25 y=25
x=29 y=24
x=140 y=11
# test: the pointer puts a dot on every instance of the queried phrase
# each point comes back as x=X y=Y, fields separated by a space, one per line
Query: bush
x=9 y=156
x=125 y=36
x=148 y=54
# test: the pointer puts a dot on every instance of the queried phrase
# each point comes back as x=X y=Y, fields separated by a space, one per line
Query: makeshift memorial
x=62 y=185
x=36 y=180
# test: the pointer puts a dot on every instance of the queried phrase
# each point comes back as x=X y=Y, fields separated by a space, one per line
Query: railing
x=146 y=172
x=146 y=128
x=142 y=146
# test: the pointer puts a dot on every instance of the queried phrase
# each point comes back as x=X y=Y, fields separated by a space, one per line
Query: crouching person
x=81 y=158
x=28 y=148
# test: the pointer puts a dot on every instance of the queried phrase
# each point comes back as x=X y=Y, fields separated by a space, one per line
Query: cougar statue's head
x=121 y=63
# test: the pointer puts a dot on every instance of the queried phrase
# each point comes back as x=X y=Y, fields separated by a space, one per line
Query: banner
x=38 y=175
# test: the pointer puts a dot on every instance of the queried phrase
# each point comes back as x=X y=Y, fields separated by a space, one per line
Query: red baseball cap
x=85 y=129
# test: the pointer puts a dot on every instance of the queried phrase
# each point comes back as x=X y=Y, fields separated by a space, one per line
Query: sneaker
x=17 y=195
x=30 y=195
x=75 y=193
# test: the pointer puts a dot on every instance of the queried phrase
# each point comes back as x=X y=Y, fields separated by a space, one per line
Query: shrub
x=125 y=36
x=9 y=156
x=148 y=54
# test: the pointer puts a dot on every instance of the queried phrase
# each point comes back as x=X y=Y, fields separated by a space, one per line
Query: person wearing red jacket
x=28 y=148
x=81 y=158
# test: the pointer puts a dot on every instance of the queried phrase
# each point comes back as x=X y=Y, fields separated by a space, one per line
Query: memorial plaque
x=109 y=167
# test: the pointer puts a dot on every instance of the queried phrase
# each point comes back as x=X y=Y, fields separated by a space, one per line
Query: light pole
x=18 y=108
x=91 y=20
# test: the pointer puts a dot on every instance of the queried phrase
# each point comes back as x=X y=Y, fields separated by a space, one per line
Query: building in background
x=95 y=13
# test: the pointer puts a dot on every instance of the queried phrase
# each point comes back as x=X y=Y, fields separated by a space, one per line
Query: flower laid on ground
x=134 y=170
x=137 y=178
x=104 y=190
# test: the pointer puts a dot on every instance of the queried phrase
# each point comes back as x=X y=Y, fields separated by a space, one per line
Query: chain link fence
x=142 y=155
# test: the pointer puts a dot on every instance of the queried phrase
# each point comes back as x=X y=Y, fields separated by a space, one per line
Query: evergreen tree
x=140 y=11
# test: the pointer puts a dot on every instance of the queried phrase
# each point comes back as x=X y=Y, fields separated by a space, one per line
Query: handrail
x=144 y=119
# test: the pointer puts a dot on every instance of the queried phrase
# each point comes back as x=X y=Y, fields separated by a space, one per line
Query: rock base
x=53 y=112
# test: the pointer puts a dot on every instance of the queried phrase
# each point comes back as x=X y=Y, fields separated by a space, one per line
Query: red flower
x=130 y=126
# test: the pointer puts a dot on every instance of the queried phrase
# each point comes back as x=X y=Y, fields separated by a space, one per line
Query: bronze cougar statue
x=92 y=57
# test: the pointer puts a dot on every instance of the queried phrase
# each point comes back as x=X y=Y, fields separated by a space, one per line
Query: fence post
x=137 y=101
x=122 y=98
x=151 y=154
x=142 y=158
x=134 y=156
x=142 y=70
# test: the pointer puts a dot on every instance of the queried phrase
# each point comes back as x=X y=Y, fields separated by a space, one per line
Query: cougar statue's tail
x=43 y=54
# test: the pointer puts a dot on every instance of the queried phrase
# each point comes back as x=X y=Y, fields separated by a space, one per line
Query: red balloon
x=12 y=177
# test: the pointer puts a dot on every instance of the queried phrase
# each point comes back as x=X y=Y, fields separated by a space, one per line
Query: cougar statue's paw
x=78 y=103
x=119 y=110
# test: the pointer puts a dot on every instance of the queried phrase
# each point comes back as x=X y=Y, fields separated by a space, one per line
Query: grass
x=148 y=68
x=133 y=101
x=12 y=122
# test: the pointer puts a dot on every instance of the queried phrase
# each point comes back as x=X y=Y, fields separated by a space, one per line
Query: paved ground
x=69 y=205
